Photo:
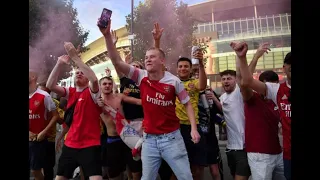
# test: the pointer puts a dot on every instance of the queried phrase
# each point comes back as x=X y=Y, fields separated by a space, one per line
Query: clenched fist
x=240 y=48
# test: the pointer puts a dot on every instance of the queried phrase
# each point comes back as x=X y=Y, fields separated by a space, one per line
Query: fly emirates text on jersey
x=159 y=100
x=33 y=116
x=286 y=108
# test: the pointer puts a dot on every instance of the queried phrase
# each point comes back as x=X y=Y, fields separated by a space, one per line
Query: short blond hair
x=162 y=54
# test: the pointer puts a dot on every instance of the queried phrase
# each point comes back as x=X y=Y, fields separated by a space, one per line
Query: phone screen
x=105 y=18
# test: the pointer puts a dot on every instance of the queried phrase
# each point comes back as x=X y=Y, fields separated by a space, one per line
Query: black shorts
x=196 y=152
x=104 y=150
x=118 y=156
x=88 y=158
x=211 y=147
x=37 y=154
x=238 y=162
x=50 y=161
x=50 y=154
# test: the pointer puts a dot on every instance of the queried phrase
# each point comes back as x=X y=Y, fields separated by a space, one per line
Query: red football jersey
x=285 y=114
x=40 y=103
x=158 y=101
x=261 y=128
x=280 y=93
x=85 y=128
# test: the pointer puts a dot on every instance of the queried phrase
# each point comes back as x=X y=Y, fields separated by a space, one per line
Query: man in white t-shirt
x=233 y=111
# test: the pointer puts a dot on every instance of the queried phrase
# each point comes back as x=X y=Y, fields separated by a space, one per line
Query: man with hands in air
x=159 y=90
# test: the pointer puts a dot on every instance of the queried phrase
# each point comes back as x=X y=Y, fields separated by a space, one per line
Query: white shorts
x=266 y=166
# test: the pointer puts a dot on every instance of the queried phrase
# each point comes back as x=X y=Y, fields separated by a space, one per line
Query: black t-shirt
x=129 y=87
x=207 y=125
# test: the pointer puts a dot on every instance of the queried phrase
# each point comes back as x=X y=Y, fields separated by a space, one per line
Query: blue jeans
x=171 y=148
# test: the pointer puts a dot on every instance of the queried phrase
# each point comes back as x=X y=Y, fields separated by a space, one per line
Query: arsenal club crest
x=167 y=89
x=36 y=103
x=191 y=86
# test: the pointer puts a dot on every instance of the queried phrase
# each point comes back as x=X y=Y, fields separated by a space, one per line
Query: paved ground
x=207 y=176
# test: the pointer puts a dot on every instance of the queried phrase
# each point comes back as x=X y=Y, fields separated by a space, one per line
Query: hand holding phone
x=104 y=19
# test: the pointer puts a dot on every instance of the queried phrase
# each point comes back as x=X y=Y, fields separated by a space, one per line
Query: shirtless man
x=118 y=154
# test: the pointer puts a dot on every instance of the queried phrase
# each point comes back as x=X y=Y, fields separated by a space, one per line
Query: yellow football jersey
x=53 y=131
x=191 y=87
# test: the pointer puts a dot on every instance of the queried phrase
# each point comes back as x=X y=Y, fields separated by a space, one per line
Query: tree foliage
x=178 y=27
x=51 y=22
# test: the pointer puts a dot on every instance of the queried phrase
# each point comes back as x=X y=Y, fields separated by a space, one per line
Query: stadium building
x=255 y=21
x=218 y=23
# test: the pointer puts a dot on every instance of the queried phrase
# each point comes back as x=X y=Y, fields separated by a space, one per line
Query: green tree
x=178 y=27
x=52 y=22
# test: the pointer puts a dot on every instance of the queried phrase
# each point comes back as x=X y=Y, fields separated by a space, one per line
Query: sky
x=90 y=10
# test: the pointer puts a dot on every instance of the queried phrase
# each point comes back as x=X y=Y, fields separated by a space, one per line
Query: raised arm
x=128 y=59
x=247 y=79
x=263 y=48
x=202 y=74
x=108 y=72
x=211 y=95
x=157 y=33
x=87 y=71
x=238 y=72
x=115 y=40
x=113 y=53
x=53 y=77
x=241 y=50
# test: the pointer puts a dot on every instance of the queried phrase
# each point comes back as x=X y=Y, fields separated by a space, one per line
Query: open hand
x=108 y=72
x=64 y=59
x=157 y=31
x=114 y=37
x=263 y=48
x=71 y=50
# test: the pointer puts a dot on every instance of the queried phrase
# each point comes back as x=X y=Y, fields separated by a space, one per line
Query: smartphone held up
x=193 y=50
x=105 y=18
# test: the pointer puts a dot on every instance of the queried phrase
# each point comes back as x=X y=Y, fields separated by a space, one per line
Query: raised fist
x=240 y=48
